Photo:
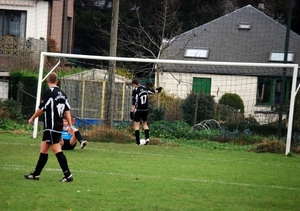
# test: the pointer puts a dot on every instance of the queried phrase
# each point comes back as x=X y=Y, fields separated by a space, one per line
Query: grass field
x=109 y=176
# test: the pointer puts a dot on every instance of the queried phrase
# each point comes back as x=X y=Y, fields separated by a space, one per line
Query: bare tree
x=149 y=41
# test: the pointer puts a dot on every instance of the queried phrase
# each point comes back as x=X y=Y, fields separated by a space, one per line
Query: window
x=269 y=91
x=12 y=23
x=264 y=91
x=276 y=56
x=245 y=26
x=197 y=53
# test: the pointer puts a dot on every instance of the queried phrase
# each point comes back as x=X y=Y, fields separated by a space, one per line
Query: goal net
x=258 y=85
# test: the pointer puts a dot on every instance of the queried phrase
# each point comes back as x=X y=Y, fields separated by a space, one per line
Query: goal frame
x=294 y=90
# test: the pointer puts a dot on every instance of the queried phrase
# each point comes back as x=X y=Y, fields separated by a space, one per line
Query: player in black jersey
x=54 y=105
x=139 y=108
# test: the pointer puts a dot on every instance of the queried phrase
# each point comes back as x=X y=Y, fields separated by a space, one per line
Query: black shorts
x=140 y=115
x=51 y=136
x=67 y=145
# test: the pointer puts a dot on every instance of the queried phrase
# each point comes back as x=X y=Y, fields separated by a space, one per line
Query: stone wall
x=20 y=53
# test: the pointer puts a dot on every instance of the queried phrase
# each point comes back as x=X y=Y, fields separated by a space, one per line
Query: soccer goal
x=259 y=85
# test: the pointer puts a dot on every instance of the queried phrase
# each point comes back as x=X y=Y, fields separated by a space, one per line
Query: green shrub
x=24 y=89
x=225 y=113
x=10 y=109
x=156 y=114
x=169 y=104
x=13 y=125
x=262 y=130
x=296 y=138
x=204 y=105
x=175 y=130
x=232 y=100
x=250 y=120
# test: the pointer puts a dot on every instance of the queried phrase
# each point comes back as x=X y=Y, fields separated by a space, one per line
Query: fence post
x=19 y=96
x=196 y=108
x=82 y=99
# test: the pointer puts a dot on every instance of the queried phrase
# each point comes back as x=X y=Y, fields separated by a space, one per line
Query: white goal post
x=164 y=61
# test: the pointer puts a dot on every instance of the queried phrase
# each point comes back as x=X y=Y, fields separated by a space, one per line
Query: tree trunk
x=110 y=91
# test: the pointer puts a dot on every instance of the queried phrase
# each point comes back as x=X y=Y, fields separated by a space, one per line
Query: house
x=26 y=29
x=245 y=35
x=27 y=25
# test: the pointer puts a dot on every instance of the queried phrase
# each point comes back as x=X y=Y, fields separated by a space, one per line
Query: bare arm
x=68 y=118
x=132 y=108
x=38 y=113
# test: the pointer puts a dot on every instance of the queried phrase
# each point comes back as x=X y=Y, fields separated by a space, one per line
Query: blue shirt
x=66 y=135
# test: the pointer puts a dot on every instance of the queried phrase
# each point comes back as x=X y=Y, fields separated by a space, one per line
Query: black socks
x=40 y=164
x=78 y=136
x=62 y=160
x=147 y=134
x=137 y=137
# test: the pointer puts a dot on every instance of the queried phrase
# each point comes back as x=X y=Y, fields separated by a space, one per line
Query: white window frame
x=278 y=56
x=245 y=26
x=201 y=53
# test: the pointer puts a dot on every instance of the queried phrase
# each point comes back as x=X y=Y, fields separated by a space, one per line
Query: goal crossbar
x=163 y=61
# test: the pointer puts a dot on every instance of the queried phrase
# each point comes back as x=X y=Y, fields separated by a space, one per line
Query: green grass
x=110 y=176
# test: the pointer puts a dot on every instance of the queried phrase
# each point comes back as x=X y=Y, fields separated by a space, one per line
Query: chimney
x=261 y=6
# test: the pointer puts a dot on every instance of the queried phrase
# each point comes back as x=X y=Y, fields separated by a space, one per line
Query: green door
x=202 y=85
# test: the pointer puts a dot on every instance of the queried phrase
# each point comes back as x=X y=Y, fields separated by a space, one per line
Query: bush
x=275 y=146
x=9 y=109
x=175 y=130
x=232 y=100
x=11 y=118
x=169 y=104
x=24 y=89
x=106 y=134
x=262 y=130
x=156 y=114
x=225 y=113
x=12 y=125
x=296 y=138
x=204 y=105
x=124 y=135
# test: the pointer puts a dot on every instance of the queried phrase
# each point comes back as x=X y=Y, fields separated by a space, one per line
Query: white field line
x=239 y=184
x=162 y=155
x=22 y=168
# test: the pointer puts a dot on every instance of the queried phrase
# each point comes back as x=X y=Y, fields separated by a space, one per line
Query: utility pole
x=286 y=49
x=110 y=90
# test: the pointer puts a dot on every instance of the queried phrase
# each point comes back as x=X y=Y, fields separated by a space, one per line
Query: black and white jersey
x=54 y=104
x=140 y=97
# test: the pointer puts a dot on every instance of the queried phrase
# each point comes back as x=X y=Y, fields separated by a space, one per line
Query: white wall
x=180 y=85
x=3 y=90
x=37 y=16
